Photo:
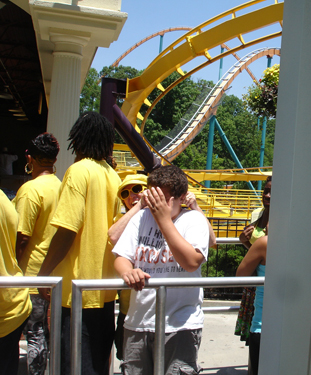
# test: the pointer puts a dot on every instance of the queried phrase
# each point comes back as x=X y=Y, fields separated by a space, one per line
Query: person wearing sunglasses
x=130 y=192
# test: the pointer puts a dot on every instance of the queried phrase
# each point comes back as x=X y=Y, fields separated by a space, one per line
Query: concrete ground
x=221 y=352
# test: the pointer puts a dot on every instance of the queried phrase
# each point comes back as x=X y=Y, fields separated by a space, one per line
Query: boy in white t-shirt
x=163 y=241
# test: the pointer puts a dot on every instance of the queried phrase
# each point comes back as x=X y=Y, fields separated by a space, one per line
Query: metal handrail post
x=76 y=329
x=55 y=331
x=159 y=337
x=55 y=283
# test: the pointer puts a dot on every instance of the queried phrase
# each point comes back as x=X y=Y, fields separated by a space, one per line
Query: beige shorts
x=181 y=352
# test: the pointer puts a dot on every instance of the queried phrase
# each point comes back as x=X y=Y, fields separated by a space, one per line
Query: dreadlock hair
x=44 y=148
x=171 y=177
x=92 y=136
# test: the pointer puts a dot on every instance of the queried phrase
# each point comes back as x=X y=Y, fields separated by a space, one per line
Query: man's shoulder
x=187 y=214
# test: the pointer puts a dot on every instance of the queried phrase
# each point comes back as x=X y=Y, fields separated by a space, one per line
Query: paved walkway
x=221 y=352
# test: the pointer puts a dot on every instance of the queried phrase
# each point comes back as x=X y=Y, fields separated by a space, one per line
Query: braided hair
x=92 y=136
x=44 y=148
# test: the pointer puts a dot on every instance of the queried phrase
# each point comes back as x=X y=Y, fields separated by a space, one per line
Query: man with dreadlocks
x=80 y=249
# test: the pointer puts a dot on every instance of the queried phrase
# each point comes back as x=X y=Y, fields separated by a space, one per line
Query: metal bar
x=55 y=283
x=55 y=329
x=228 y=241
x=162 y=284
x=176 y=282
x=76 y=329
x=159 y=340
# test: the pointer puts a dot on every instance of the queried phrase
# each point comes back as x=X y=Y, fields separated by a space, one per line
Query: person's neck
x=175 y=215
x=42 y=171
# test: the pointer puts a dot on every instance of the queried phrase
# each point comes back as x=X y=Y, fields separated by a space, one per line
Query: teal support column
x=161 y=43
x=269 y=61
x=210 y=144
x=263 y=134
x=262 y=147
x=230 y=149
x=220 y=64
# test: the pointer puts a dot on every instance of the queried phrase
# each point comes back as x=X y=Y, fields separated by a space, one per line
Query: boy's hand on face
x=135 y=278
x=160 y=208
x=190 y=201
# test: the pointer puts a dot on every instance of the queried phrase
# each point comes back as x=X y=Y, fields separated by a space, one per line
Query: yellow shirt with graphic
x=15 y=305
x=87 y=205
x=35 y=203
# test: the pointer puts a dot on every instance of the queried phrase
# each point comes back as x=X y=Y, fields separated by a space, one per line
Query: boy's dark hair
x=44 y=148
x=170 y=177
x=92 y=136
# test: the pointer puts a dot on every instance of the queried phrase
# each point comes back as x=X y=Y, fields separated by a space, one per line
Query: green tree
x=90 y=95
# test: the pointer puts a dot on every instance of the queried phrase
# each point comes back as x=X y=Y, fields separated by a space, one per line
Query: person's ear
x=29 y=159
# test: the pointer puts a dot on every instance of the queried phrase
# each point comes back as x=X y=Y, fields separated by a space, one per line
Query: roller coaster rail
x=205 y=110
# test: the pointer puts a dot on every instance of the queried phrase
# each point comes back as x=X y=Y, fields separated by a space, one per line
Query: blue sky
x=146 y=18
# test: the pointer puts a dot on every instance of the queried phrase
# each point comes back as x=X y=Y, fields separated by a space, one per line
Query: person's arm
x=184 y=253
x=21 y=244
x=117 y=228
x=255 y=255
x=191 y=202
x=246 y=235
x=59 y=247
x=133 y=277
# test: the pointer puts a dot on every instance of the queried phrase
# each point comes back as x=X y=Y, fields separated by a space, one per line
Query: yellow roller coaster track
x=199 y=42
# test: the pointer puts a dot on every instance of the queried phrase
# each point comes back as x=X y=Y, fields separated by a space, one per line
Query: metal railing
x=160 y=284
x=55 y=283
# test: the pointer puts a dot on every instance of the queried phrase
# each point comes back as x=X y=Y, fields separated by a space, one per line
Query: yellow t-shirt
x=35 y=203
x=15 y=305
x=87 y=205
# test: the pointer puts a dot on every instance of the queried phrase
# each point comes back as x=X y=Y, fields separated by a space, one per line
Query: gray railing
x=55 y=283
x=160 y=284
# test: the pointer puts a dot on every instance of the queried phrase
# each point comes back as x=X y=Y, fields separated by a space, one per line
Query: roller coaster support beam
x=210 y=145
x=111 y=89
x=135 y=141
x=262 y=147
x=161 y=43
x=220 y=63
x=263 y=134
x=230 y=149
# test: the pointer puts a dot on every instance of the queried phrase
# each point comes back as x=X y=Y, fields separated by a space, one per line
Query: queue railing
x=55 y=283
x=160 y=284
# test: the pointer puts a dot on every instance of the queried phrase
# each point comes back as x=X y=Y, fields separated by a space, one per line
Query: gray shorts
x=181 y=352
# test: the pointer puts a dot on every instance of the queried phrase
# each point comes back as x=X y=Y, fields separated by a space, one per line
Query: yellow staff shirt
x=36 y=202
x=15 y=305
x=87 y=205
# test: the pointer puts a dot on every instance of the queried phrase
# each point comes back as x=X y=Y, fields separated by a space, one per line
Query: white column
x=285 y=341
x=65 y=93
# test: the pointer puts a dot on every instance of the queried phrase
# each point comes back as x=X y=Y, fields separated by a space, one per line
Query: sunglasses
x=135 y=189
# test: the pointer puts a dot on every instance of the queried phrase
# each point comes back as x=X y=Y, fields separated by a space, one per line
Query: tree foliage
x=261 y=98
x=90 y=95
